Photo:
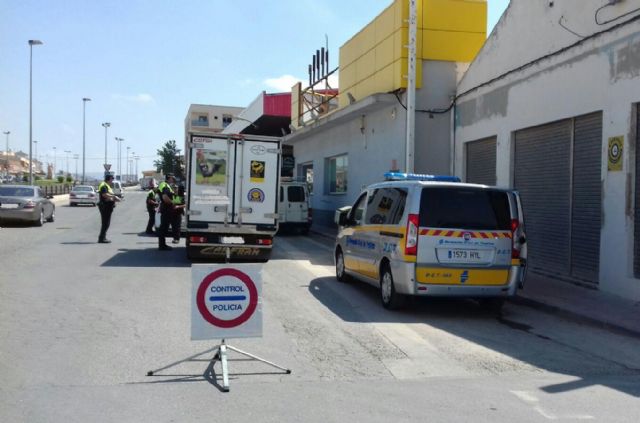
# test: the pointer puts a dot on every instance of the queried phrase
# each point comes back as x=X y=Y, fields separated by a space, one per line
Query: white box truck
x=232 y=196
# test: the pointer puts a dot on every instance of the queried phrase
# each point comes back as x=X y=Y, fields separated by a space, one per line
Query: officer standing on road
x=151 y=209
x=178 y=208
x=106 y=205
x=166 y=210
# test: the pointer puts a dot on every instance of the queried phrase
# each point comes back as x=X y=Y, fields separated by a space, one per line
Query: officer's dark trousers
x=152 y=219
x=105 y=214
x=165 y=220
x=175 y=225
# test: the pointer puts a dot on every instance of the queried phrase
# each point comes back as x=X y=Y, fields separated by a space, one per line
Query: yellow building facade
x=375 y=59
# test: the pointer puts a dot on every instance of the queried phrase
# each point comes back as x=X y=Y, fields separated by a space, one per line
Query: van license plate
x=462 y=256
x=231 y=240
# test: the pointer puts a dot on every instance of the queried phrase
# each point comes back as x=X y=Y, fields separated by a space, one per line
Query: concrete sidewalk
x=571 y=301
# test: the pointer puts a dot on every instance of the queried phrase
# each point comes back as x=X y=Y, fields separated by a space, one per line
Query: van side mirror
x=341 y=216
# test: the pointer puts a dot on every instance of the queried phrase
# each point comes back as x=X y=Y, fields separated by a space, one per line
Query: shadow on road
x=149 y=257
x=360 y=303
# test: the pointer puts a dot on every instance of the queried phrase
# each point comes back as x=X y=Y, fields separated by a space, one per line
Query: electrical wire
x=612 y=19
x=525 y=66
x=569 y=29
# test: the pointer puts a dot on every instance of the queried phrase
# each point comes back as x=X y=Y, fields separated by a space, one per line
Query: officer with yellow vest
x=178 y=208
x=167 y=210
x=106 y=204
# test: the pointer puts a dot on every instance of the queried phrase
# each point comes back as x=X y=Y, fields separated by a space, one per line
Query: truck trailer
x=231 y=196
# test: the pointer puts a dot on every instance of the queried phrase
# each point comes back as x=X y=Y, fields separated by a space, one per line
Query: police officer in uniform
x=106 y=205
x=151 y=209
x=178 y=208
x=166 y=210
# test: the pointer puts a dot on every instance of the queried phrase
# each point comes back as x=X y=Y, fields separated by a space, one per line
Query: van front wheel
x=391 y=300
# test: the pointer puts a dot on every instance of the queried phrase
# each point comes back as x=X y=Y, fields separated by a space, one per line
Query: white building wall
x=602 y=73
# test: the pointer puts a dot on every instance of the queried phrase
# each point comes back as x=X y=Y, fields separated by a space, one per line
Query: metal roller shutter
x=542 y=175
x=481 y=161
x=586 y=198
x=636 y=218
x=558 y=173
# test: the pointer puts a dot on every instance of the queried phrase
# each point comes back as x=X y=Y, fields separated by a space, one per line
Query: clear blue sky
x=142 y=62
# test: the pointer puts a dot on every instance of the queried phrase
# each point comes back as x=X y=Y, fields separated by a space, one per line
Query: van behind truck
x=294 y=210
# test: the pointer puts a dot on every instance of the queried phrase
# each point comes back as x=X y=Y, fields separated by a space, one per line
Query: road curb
x=575 y=316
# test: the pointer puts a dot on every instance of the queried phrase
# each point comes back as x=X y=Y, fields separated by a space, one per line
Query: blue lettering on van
x=355 y=242
x=464 y=276
x=389 y=247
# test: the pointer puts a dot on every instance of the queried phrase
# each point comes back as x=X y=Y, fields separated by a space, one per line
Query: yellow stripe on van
x=447 y=276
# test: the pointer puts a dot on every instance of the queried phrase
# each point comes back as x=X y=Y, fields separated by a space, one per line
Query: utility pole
x=76 y=156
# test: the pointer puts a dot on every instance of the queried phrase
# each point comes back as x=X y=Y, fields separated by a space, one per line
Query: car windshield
x=83 y=189
x=16 y=192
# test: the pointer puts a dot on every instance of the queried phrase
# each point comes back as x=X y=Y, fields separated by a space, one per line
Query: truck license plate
x=231 y=240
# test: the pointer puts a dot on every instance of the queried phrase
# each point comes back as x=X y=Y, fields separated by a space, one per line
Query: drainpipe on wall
x=411 y=87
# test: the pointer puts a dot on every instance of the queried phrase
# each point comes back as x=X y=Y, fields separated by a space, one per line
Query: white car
x=83 y=194
x=117 y=189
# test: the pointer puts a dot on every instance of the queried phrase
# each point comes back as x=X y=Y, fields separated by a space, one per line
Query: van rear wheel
x=391 y=300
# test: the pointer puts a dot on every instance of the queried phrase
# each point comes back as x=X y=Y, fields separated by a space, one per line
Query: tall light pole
x=106 y=125
x=75 y=156
x=128 y=161
x=119 y=141
x=84 y=103
x=6 y=151
x=35 y=143
x=55 y=163
x=136 y=176
x=31 y=44
x=68 y=152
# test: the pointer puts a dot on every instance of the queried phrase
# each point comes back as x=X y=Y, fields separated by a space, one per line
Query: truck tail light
x=197 y=239
x=411 y=239
x=264 y=241
x=515 y=252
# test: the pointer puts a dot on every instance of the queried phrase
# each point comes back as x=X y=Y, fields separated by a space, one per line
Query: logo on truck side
x=255 y=195
x=258 y=150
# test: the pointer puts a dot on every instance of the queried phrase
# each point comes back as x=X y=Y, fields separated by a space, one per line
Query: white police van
x=426 y=235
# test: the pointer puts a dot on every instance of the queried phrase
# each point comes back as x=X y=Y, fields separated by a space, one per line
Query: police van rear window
x=464 y=208
x=295 y=194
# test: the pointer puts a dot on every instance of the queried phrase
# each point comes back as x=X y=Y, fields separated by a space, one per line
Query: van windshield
x=295 y=194
x=464 y=208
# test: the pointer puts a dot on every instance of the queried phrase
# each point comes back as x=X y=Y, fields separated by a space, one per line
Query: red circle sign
x=203 y=291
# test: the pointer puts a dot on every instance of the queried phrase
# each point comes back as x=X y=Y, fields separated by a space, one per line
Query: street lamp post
x=136 y=175
x=68 y=152
x=84 y=103
x=106 y=125
x=55 y=163
x=31 y=44
x=119 y=141
x=36 y=146
x=75 y=156
x=6 y=151
x=128 y=162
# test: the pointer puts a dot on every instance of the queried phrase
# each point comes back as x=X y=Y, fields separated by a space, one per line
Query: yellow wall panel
x=384 y=53
x=385 y=24
x=455 y=15
x=451 y=46
x=375 y=59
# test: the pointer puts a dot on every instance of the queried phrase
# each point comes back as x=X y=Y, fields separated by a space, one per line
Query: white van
x=424 y=235
x=294 y=211
x=117 y=189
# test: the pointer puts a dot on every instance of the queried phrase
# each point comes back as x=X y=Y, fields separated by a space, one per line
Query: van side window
x=386 y=206
x=281 y=194
x=355 y=216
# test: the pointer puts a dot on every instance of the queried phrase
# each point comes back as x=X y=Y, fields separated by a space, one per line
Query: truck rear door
x=211 y=179
x=256 y=175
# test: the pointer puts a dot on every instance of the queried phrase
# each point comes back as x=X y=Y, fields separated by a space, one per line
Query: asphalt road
x=81 y=323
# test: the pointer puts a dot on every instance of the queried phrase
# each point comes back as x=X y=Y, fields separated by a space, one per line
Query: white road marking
x=531 y=399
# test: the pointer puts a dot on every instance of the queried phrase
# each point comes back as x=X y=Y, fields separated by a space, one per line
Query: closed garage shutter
x=558 y=173
x=481 y=161
x=636 y=219
x=587 y=200
x=542 y=177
